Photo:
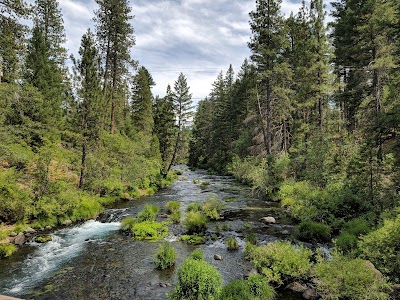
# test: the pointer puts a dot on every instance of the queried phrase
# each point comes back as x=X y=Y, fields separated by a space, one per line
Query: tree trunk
x=83 y=163
x=175 y=150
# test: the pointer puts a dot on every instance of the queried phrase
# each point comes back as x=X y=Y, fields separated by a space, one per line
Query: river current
x=94 y=260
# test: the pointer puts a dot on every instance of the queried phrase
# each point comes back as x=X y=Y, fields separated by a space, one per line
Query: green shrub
x=346 y=242
x=172 y=206
x=192 y=239
x=197 y=254
x=193 y=207
x=7 y=250
x=260 y=288
x=251 y=237
x=43 y=239
x=197 y=280
x=255 y=288
x=204 y=184
x=357 y=227
x=175 y=217
x=148 y=213
x=313 y=231
x=127 y=223
x=195 y=222
x=344 y=278
x=212 y=208
x=88 y=208
x=382 y=248
x=231 y=243
x=236 y=289
x=165 y=257
x=280 y=261
x=149 y=230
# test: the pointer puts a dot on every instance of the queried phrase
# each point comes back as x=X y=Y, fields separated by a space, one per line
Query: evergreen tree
x=183 y=111
x=267 y=45
x=142 y=101
x=88 y=73
x=45 y=67
x=115 y=36
x=164 y=126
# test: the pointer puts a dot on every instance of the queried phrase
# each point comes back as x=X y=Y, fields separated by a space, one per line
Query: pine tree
x=46 y=57
x=88 y=74
x=164 y=126
x=142 y=100
x=183 y=111
x=116 y=36
x=267 y=45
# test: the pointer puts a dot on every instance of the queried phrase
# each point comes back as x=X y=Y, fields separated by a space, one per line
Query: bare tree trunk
x=83 y=163
x=175 y=149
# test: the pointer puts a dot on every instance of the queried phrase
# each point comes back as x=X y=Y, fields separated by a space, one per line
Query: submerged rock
x=268 y=220
x=285 y=232
x=250 y=273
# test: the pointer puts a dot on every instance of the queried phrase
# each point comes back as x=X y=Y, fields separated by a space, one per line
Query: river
x=94 y=260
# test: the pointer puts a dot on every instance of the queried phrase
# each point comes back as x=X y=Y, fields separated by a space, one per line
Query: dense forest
x=311 y=120
x=74 y=140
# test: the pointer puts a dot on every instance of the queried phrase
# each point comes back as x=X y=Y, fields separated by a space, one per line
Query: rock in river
x=218 y=257
x=30 y=230
x=20 y=239
x=268 y=220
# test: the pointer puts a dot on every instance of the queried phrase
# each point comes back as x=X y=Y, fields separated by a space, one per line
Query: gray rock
x=268 y=220
x=371 y=266
x=20 y=239
x=13 y=234
x=48 y=227
x=250 y=273
x=297 y=287
x=310 y=294
x=285 y=232
x=66 y=223
x=218 y=257
x=30 y=230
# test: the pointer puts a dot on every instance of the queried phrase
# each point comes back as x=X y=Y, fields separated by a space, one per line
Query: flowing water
x=94 y=260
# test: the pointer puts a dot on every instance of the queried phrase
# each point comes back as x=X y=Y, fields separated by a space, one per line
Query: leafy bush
x=231 y=243
x=357 y=226
x=344 y=278
x=7 y=250
x=172 y=206
x=251 y=237
x=127 y=223
x=346 y=242
x=255 y=288
x=148 y=213
x=88 y=208
x=43 y=239
x=197 y=254
x=212 y=208
x=197 y=280
x=280 y=261
x=165 y=257
x=382 y=248
x=149 y=230
x=195 y=222
x=175 y=217
x=313 y=231
x=192 y=239
x=193 y=207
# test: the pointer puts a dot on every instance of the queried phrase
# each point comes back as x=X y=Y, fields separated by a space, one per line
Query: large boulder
x=297 y=287
x=66 y=223
x=30 y=230
x=268 y=220
x=19 y=239
x=310 y=294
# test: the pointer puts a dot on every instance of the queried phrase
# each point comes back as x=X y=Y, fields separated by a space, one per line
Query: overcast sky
x=196 y=37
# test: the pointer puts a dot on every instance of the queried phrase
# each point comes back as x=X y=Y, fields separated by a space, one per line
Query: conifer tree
x=183 y=110
x=142 y=101
x=267 y=45
x=164 y=126
x=116 y=36
x=46 y=56
x=88 y=73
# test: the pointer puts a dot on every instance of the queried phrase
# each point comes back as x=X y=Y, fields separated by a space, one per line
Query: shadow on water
x=95 y=261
